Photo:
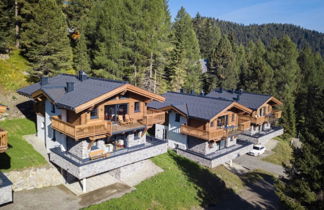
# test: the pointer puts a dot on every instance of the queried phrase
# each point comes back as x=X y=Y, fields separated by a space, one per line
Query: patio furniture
x=128 y=119
x=109 y=148
x=121 y=120
x=96 y=154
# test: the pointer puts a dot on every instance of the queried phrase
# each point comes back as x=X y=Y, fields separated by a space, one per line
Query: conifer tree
x=221 y=64
x=304 y=187
x=44 y=39
x=282 y=58
x=185 y=67
x=258 y=77
x=76 y=12
x=7 y=21
x=208 y=34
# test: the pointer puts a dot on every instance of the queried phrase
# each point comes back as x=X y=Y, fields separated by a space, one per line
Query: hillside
x=266 y=32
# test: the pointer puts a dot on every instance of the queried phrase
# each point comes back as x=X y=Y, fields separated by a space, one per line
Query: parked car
x=257 y=150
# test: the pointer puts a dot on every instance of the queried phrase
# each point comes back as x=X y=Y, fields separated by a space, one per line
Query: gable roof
x=85 y=92
x=251 y=100
x=201 y=107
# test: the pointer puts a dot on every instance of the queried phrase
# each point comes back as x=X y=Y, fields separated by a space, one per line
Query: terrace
x=82 y=168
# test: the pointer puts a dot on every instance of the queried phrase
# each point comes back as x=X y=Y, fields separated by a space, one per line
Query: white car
x=257 y=150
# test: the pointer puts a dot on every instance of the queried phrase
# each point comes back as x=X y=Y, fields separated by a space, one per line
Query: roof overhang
x=126 y=87
x=234 y=105
x=171 y=107
x=273 y=99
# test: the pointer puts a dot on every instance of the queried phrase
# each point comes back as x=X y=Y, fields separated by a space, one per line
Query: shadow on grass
x=262 y=185
x=4 y=161
x=211 y=189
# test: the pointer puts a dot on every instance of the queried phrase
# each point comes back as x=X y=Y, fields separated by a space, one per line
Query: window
x=54 y=135
x=177 y=117
x=52 y=108
x=94 y=113
x=212 y=124
x=137 y=107
x=233 y=117
x=222 y=121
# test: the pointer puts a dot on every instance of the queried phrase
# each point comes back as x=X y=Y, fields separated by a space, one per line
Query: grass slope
x=20 y=153
x=282 y=153
x=182 y=185
x=13 y=71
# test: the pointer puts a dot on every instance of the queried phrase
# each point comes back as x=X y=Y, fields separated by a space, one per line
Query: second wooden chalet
x=202 y=128
x=90 y=125
x=266 y=112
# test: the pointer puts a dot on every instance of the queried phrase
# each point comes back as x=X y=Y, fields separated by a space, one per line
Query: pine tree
x=76 y=12
x=221 y=64
x=44 y=39
x=258 y=76
x=208 y=34
x=7 y=21
x=185 y=66
x=282 y=58
x=304 y=187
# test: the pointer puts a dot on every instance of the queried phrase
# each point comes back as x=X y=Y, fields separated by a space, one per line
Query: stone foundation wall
x=79 y=148
x=211 y=163
x=35 y=178
x=126 y=171
x=262 y=139
x=107 y=164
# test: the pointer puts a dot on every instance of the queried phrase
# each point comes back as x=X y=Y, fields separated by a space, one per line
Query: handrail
x=82 y=131
x=153 y=118
x=200 y=133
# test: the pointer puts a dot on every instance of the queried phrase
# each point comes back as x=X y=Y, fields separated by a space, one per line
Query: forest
x=137 y=41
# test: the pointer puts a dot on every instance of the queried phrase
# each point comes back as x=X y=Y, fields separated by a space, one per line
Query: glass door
x=112 y=111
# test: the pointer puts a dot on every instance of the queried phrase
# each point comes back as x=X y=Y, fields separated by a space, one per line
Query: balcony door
x=112 y=111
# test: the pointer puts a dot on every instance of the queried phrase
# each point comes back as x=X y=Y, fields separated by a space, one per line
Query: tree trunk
x=17 y=25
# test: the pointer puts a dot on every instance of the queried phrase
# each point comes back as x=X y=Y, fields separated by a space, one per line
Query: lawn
x=13 y=71
x=20 y=154
x=182 y=185
x=231 y=180
x=282 y=153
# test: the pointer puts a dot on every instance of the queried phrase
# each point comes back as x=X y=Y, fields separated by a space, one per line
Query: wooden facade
x=123 y=111
x=3 y=133
x=224 y=124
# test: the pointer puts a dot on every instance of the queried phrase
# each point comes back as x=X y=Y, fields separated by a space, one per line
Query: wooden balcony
x=244 y=125
x=254 y=120
x=203 y=134
x=277 y=114
x=82 y=131
x=152 y=118
x=3 y=140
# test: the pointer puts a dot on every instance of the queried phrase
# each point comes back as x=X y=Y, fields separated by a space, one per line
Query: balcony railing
x=3 y=140
x=202 y=134
x=82 y=131
x=277 y=114
x=244 y=125
x=153 y=118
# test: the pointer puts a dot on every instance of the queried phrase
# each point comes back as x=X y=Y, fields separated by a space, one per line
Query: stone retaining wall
x=35 y=178
x=5 y=189
x=262 y=139
x=212 y=163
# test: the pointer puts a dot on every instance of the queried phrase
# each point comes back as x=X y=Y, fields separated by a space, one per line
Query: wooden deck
x=3 y=140
x=117 y=128
x=82 y=131
x=203 y=134
x=152 y=118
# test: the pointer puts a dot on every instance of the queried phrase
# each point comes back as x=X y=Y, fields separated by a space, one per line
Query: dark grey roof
x=201 y=107
x=83 y=92
x=251 y=100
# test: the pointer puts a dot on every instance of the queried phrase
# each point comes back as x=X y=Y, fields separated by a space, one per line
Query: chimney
x=181 y=90
x=82 y=76
x=220 y=89
x=69 y=87
x=44 y=81
x=202 y=93
x=192 y=92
